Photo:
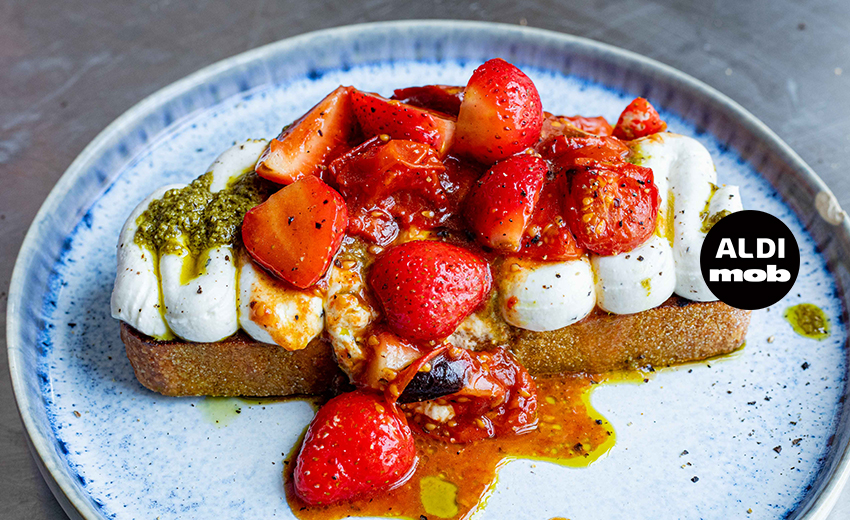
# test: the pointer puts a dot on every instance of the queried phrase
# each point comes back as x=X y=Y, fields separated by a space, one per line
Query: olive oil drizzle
x=453 y=481
x=808 y=320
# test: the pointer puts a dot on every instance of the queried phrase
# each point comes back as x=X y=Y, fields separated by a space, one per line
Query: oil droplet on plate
x=439 y=497
x=808 y=320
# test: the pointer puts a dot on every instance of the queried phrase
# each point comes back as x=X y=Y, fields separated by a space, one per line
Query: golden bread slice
x=677 y=331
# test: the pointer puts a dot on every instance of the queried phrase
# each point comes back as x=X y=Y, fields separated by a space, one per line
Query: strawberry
x=357 y=445
x=378 y=115
x=442 y=98
x=307 y=145
x=501 y=113
x=639 y=119
x=428 y=288
x=500 y=205
x=297 y=231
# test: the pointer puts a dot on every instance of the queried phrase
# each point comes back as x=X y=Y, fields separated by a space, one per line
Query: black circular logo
x=750 y=259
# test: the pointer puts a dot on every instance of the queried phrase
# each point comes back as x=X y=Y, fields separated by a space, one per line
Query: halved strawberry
x=428 y=288
x=306 y=146
x=378 y=115
x=639 y=119
x=501 y=113
x=297 y=231
x=442 y=98
x=358 y=445
x=500 y=205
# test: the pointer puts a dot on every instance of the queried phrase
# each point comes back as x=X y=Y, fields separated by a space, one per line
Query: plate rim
x=75 y=504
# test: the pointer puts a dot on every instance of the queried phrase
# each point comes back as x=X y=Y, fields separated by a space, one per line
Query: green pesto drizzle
x=197 y=219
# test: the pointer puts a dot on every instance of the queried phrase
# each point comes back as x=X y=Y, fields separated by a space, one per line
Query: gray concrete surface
x=69 y=68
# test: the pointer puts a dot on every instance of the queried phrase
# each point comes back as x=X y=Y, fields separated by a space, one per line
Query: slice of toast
x=236 y=366
x=677 y=331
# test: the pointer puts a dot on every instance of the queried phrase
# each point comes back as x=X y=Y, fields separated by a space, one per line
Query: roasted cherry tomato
x=563 y=150
x=297 y=231
x=380 y=116
x=399 y=182
x=548 y=236
x=497 y=398
x=307 y=146
x=572 y=126
x=442 y=98
x=639 y=119
x=612 y=207
x=592 y=125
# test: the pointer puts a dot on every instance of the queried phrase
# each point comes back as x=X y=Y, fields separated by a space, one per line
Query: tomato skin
x=382 y=181
x=592 y=125
x=358 y=445
x=378 y=115
x=502 y=201
x=426 y=289
x=612 y=207
x=573 y=126
x=400 y=183
x=307 y=145
x=440 y=98
x=501 y=113
x=565 y=150
x=548 y=236
x=639 y=119
x=297 y=231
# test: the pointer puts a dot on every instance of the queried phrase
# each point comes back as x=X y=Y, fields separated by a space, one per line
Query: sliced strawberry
x=358 y=445
x=501 y=113
x=428 y=288
x=612 y=208
x=297 y=231
x=548 y=236
x=306 y=146
x=639 y=119
x=381 y=116
x=501 y=203
x=441 y=98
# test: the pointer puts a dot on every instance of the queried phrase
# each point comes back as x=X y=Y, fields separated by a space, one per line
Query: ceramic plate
x=765 y=431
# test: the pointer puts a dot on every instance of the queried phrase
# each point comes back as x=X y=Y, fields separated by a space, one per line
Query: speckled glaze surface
x=761 y=434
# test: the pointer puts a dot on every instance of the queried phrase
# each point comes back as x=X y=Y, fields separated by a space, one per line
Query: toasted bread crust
x=235 y=366
x=674 y=332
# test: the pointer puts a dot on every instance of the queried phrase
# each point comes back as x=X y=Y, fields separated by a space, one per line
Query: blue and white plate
x=765 y=431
